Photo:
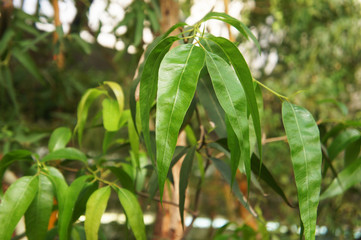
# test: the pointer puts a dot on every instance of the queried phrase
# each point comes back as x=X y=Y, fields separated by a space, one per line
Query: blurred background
x=51 y=52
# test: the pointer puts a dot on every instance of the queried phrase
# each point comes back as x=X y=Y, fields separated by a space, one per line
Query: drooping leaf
x=342 y=141
x=95 y=208
x=11 y=157
x=67 y=206
x=243 y=29
x=5 y=39
x=178 y=77
x=59 y=138
x=148 y=87
x=139 y=27
x=15 y=202
x=133 y=212
x=111 y=114
x=38 y=214
x=262 y=171
x=210 y=103
x=232 y=98
x=183 y=180
x=304 y=141
x=244 y=75
x=347 y=178
x=83 y=108
x=225 y=170
x=65 y=153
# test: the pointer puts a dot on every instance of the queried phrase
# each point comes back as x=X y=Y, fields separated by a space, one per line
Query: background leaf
x=95 y=208
x=15 y=202
x=304 y=140
x=59 y=138
x=178 y=77
x=347 y=178
x=11 y=157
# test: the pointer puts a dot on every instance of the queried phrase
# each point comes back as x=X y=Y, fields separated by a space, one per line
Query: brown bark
x=58 y=57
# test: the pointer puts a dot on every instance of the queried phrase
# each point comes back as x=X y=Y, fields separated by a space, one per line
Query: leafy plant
x=203 y=72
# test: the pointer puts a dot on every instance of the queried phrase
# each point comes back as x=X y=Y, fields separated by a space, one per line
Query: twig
x=145 y=195
x=275 y=139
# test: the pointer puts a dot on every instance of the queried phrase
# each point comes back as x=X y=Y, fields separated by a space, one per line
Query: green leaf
x=243 y=29
x=83 y=108
x=210 y=103
x=38 y=214
x=344 y=139
x=25 y=60
x=59 y=138
x=5 y=39
x=139 y=27
x=244 y=75
x=118 y=92
x=225 y=170
x=347 y=178
x=111 y=115
x=65 y=153
x=183 y=180
x=148 y=87
x=133 y=212
x=80 y=205
x=95 y=208
x=261 y=170
x=134 y=140
x=235 y=149
x=11 y=157
x=232 y=98
x=15 y=202
x=304 y=140
x=67 y=206
x=178 y=77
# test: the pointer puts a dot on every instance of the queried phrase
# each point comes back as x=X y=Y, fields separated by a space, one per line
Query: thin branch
x=275 y=139
x=145 y=195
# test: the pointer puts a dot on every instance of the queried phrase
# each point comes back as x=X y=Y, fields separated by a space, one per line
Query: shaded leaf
x=261 y=170
x=65 y=153
x=15 y=202
x=59 y=138
x=133 y=212
x=123 y=177
x=209 y=101
x=304 y=141
x=38 y=214
x=178 y=77
x=183 y=180
x=352 y=152
x=347 y=178
x=95 y=208
x=232 y=98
